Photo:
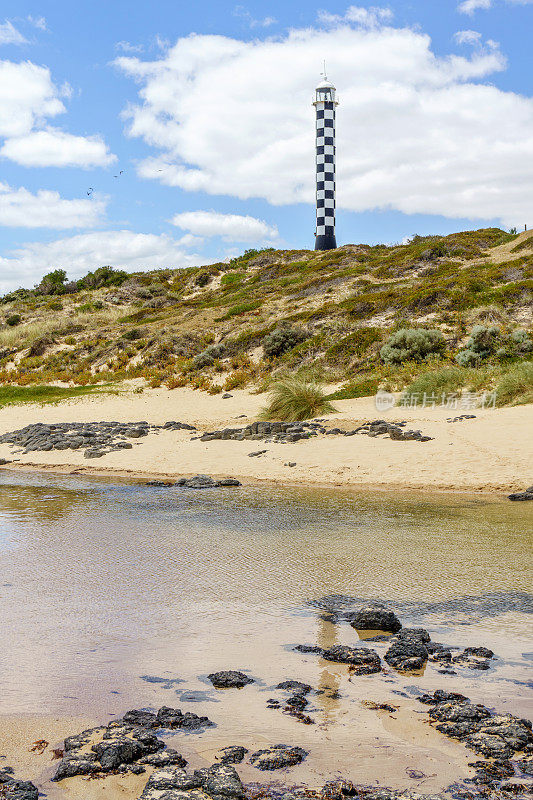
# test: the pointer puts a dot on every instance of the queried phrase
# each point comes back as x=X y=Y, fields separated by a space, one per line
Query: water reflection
x=104 y=581
x=329 y=681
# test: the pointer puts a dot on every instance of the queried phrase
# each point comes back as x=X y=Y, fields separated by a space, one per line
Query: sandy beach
x=492 y=452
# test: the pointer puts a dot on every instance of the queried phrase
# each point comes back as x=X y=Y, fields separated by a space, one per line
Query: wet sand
x=107 y=586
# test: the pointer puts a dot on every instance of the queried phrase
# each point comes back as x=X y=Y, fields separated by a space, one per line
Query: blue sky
x=211 y=134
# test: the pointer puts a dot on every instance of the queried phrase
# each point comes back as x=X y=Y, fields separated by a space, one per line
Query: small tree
x=53 y=283
x=412 y=344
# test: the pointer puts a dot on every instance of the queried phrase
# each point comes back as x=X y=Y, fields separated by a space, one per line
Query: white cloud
x=470 y=6
x=37 y=22
x=232 y=227
x=127 y=47
x=9 y=34
x=468 y=37
x=416 y=132
x=365 y=17
x=243 y=13
x=55 y=148
x=28 y=98
x=47 y=209
x=88 y=251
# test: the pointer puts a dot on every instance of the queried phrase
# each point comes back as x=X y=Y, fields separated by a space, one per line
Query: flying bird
x=90 y=191
x=120 y=173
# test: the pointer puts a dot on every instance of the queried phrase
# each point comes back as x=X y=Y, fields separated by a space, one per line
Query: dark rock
x=169 y=784
x=296 y=687
x=375 y=617
x=525 y=765
x=363 y=660
x=408 y=653
x=308 y=648
x=173 y=718
x=297 y=702
x=482 y=652
x=441 y=696
x=521 y=496
x=441 y=655
x=145 y=719
x=76 y=764
x=277 y=757
x=229 y=482
x=226 y=679
x=19 y=790
x=232 y=755
x=414 y=633
x=220 y=781
x=164 y=758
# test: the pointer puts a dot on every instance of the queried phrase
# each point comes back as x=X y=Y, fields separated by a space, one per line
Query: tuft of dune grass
x=293 y=399
x=447 y=380
x=515 y=386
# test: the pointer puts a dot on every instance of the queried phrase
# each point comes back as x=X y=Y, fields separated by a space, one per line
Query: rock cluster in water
x=409 y=648
x=218 y=782
x=95 y=438
x=503 y=742
x=295 y=431
x=127 y=745
x=229 y=678
x=495 y=736
x=277 y=757
x=197 y=482
x=13 y=789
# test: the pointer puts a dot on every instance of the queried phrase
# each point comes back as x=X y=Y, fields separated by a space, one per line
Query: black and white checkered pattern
x=325 y=168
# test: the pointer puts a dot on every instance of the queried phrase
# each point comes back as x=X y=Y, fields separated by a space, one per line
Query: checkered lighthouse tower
x=325 y=104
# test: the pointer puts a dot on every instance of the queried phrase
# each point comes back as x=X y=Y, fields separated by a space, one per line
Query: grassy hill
x=274 y=312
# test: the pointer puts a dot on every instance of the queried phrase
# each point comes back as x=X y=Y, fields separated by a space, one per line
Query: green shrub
x=208 y=356
x=13 y=319
x=232 y=278
x=241 y=308
x=295 y=398
x=103 y=276
x=366 y=387
x=355 y=344
x=53 y=283
x=482 y=343
x=281 y=340
x=515 y=387
x=412 y=344
x=519 y=343
x=203 y=279
x=134 y=333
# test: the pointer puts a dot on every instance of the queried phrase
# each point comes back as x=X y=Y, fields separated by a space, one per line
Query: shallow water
x=103 y=584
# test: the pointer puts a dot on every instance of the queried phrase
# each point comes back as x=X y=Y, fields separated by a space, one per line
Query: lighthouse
x=325 y=104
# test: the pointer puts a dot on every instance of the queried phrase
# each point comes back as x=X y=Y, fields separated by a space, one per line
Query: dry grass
x=23 y=335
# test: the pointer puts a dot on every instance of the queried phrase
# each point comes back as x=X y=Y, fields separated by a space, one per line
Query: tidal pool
x=116 y=595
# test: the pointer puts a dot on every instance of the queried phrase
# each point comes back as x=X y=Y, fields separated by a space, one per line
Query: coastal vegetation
x=295 y=398
x=448 y=313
